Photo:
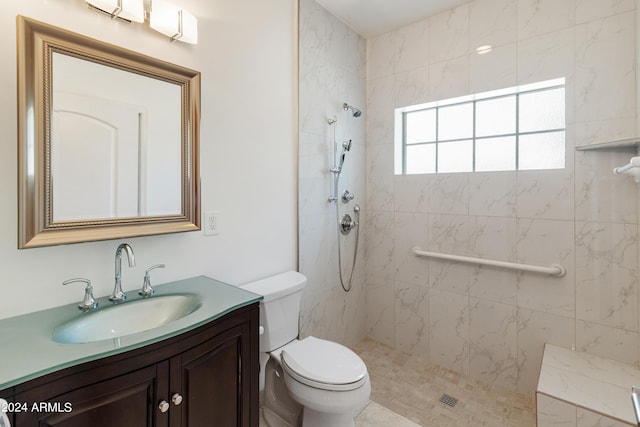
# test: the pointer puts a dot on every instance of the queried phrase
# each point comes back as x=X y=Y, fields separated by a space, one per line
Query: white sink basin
x=115 y=321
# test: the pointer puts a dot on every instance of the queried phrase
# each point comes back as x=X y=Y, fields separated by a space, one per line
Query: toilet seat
x=323 y=364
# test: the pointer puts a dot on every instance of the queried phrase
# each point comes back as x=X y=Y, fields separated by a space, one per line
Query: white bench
x=579 y=389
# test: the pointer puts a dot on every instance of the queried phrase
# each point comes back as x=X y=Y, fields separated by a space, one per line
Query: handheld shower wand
x=337 y=168
x=346 y=146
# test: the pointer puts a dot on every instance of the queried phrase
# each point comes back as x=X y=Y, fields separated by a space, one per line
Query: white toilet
x=324 y=381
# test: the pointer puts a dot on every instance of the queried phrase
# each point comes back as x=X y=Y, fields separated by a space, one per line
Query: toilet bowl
x=310 y=382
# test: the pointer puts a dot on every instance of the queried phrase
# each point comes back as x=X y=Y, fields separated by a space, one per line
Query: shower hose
x=347 y=287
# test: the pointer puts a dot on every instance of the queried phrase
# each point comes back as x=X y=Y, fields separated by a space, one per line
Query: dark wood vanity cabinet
x=206 y=377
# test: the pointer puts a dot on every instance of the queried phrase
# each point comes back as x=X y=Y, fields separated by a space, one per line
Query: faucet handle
x=88 y=302
x=147 y=290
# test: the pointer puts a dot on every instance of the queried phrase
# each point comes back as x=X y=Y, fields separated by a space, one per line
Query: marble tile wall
x=332 y=71
x=489 y=323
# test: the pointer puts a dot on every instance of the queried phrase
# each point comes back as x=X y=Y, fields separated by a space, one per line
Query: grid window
x=519 y=128
x=422 y=125
x=496 y=116
x=496 y=154
x=421 y=158
x=455 y=122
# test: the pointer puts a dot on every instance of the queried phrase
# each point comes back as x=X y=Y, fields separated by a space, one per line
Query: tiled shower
x=487 y=323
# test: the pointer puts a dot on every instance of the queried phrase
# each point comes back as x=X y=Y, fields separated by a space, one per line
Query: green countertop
x=28 y=350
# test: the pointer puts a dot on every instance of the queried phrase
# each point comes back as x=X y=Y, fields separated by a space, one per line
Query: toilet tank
x=280 y=307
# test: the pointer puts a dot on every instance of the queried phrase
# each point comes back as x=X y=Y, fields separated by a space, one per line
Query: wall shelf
x=620 y=144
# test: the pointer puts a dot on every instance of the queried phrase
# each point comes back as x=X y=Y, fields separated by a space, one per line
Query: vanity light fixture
x=130 y=10
x=173 y=21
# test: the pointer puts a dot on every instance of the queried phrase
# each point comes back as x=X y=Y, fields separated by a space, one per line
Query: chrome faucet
x=117 y=294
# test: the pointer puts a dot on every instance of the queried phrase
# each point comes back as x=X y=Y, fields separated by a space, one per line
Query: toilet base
x=272 y=419
x=278 y=408
x=311 y=418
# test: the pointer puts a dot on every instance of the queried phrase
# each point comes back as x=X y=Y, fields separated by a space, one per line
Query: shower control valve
x=347 y=224
x=347 y=196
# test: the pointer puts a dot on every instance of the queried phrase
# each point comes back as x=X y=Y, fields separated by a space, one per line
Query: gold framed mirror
x=108 y=140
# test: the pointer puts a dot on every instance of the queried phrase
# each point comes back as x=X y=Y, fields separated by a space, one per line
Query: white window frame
x=400 y=137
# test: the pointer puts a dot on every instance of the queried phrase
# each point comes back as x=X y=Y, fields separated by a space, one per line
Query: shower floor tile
x=413 y=388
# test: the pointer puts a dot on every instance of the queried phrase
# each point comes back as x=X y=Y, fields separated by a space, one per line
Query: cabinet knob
x=163 y=406
x=176 y=399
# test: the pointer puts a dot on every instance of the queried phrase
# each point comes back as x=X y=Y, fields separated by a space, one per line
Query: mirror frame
x=37 y=41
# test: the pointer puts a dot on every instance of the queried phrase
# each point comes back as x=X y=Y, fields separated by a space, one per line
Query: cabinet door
x=126 y=400
x=213 y=383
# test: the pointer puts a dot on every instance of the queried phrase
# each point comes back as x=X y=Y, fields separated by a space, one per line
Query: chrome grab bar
x=635 y=398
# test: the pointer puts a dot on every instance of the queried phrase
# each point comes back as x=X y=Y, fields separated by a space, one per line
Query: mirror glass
x=125 y=137
x=108 y=140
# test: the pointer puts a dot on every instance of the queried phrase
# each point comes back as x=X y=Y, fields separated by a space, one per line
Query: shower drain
x=448 y=400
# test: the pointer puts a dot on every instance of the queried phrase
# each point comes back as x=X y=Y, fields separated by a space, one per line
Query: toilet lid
x=324 y=364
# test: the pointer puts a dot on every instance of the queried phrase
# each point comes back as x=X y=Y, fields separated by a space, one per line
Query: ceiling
x=371 y=18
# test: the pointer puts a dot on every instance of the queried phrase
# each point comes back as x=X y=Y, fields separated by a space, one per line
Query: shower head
x=346 y=145
x=356 y=112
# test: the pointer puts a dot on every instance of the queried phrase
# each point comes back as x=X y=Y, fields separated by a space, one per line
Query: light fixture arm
x=173 y=21
x=180 y=32
x=117 y=10
x=126 y=10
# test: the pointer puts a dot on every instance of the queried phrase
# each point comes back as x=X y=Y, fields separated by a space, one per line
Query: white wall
x=248 y=152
